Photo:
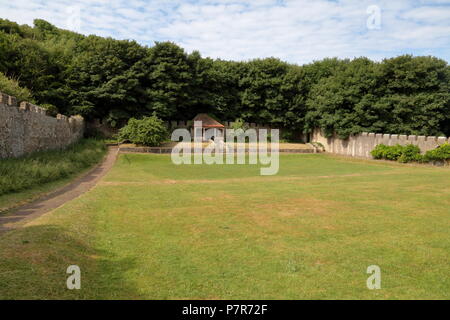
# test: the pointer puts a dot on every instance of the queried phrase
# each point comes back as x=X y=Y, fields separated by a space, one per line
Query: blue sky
x=297 y=31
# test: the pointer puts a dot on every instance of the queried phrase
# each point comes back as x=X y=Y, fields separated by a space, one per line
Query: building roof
x=207 y=121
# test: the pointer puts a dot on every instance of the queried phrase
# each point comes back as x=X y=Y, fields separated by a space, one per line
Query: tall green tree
x=165 y=76
x=100 y=80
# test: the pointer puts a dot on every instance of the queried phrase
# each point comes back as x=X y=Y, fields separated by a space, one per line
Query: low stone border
x=145 y=150
x=169 y=150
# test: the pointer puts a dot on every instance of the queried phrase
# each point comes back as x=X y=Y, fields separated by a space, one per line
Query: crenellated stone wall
x=362 y=144
x=27 y=128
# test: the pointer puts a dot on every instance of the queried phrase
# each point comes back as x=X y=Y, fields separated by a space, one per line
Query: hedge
x=411 y=153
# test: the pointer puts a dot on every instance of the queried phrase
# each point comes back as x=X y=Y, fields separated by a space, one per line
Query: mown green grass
x=152 y=230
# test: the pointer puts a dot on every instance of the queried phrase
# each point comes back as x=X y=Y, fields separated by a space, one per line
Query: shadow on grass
x=34 y=260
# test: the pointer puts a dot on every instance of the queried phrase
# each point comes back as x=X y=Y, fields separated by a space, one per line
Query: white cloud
x=295 y=30
x=429 y=15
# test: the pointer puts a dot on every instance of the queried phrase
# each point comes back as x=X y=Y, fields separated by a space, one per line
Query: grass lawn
x=153 y=230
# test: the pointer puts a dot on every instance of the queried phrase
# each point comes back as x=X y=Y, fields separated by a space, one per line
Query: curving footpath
x=21 y=215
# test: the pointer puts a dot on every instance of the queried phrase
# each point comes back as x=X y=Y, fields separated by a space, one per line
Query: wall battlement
x=27 y=128
x=362 y=144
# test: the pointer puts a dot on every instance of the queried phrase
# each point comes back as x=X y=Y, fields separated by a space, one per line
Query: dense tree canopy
x=116 y=80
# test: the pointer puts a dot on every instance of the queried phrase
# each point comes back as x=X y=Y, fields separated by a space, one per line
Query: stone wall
x=27 y=128
x=362 y=144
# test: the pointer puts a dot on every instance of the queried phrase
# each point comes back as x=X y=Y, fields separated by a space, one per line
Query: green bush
x=410 y=153
x=442 y=153
x=11 y=87
x=43 y=167
x=380 y=151
x=403 y=154
x=394 y=152
x=149 y=131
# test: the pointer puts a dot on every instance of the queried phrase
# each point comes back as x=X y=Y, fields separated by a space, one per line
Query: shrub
x=379 y=152
x=442 y=153
x=394 y=152
x=11 y=87
x=398 y=153
x=410 y=153
x=382 y=151
x=149 y=131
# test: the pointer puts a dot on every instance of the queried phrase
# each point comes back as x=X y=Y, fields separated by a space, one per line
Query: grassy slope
x=156 y=231
x=28 y=178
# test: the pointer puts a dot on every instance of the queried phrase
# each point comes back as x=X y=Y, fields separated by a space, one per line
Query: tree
x=164 y=78
x=416 y=92
x=100 y=79
x=403 y=95
x=341 y=103
x=149 y=131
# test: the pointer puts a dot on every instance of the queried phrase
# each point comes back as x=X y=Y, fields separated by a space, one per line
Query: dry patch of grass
x=302 y=206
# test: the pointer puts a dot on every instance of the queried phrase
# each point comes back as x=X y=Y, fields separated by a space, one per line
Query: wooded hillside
x=115 y=80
